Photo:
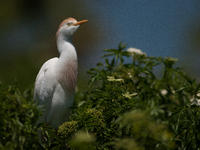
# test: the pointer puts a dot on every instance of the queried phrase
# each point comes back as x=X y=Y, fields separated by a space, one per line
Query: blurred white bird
x=56 y=81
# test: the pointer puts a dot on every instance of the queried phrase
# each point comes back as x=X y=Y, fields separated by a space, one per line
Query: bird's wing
x=40 y=92
x=43 y=91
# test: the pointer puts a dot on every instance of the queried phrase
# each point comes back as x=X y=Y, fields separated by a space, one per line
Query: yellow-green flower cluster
x=110 y=78
x=128 y=95
x=82 y=141
x=97 y=118
x=67 y=128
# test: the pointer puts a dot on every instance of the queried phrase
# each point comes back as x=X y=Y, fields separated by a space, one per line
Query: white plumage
x=56 y=81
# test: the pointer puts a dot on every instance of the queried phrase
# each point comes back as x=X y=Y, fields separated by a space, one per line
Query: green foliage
x=139 y=109
x=133 y=101
x=18 y=116
x=82 y=141
x=144 y=130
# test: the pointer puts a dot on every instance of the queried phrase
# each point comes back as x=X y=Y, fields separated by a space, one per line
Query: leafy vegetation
x=128 y=105
x=18 y=116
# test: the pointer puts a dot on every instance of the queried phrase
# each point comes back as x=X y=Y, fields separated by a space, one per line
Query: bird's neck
x=66 y=49
x=67 y=65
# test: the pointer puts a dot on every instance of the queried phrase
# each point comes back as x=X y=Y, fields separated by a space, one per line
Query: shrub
x=138 y=106
x=133 y=101
x=18 y=117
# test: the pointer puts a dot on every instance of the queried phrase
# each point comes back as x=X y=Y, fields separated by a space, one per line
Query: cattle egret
x=56 y=81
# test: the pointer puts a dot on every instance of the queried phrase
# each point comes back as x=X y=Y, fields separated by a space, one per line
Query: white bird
x=56 y=81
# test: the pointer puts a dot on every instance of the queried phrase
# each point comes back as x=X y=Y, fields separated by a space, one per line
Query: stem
x=195 y=128
x=134 y=58
x=116 y=60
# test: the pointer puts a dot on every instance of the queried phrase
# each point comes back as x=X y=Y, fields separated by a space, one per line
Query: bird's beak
x=80 y=22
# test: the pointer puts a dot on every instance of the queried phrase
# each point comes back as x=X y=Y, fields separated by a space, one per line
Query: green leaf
x=121 y=46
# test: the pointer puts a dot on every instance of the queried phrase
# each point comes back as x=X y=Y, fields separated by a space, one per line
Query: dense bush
x=18 y=117
x=128 y=105
x=133 y=101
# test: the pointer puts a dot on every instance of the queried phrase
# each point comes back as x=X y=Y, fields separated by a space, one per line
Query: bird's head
x=68 y=27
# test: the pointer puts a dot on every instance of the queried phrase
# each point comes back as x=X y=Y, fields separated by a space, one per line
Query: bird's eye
x=70 y=24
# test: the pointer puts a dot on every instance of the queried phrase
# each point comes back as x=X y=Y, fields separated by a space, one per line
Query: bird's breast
x=67 y=75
